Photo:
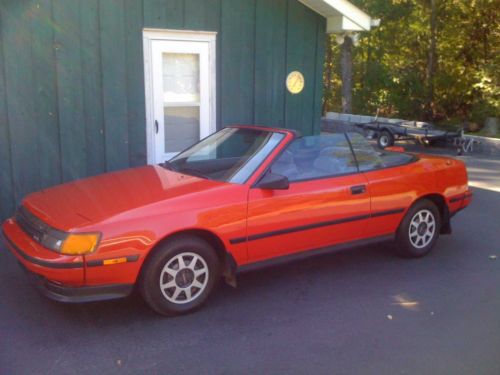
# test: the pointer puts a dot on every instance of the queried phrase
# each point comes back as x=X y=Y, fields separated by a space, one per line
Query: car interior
x=330 y=155
x=306 y=158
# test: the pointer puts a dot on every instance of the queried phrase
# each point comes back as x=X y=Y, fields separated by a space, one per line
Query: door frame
x=150 y=35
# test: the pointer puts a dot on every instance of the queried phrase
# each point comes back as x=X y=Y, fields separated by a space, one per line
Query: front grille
x=38 y=230
x=30 y=224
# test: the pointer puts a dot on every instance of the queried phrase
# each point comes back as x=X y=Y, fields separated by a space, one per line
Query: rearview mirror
x=273 y=181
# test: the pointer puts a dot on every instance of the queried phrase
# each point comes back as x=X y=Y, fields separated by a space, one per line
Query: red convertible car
x=244 y=195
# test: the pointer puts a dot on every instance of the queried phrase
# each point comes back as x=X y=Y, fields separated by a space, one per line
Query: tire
x=419 y=230
x=186 y=285
x=385 y=139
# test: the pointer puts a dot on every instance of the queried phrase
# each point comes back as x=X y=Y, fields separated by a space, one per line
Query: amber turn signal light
x=79 y=244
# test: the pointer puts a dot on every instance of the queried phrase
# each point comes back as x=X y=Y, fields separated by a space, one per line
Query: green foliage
x=391 y=62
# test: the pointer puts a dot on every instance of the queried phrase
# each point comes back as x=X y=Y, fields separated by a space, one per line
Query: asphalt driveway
x=362 y=311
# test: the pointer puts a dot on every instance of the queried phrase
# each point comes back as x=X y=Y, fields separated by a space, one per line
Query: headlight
x=79 y=244
x=55 y=239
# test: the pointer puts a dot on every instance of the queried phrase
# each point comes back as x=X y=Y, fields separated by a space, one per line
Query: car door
x=393 y=182
x=326 y=203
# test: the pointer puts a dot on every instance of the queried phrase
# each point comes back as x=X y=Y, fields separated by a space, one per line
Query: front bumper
x=56 y=276
x=71 y=294
x=68 y=270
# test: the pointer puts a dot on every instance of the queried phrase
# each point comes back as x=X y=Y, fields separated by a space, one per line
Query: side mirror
x=273 y=181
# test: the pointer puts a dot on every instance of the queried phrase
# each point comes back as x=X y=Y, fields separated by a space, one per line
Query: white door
x=182 y=87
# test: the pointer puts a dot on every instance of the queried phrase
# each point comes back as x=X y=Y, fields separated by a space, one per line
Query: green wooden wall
x=72 y=84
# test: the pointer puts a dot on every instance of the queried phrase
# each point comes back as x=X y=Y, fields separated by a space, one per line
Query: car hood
x=91 y=200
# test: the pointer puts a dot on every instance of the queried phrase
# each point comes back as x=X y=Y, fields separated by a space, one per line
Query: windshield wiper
x=168 y=165
x=192 y=171
x=188 y=170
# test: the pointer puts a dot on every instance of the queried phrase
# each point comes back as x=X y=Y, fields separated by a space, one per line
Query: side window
x=316 y=157
x=368 y=158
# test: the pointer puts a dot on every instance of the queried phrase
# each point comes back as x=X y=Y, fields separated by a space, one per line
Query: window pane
x=181 y=77
x=368 y=158
x=182 y=127
x=315 y=157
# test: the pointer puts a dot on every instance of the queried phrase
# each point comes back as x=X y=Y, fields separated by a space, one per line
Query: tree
x=346 y=67
x=431 y=62
x=428 y=60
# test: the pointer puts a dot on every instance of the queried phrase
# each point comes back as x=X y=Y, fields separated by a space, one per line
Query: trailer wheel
x=385 y=139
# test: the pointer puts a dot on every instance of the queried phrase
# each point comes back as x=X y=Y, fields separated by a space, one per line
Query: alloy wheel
x=422 y=228
x=184 y=278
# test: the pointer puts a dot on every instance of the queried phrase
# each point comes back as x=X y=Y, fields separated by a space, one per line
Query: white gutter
x=341 y=15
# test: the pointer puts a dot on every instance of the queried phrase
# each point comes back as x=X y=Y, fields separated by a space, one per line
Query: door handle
x=156 y=126
x=358 y=189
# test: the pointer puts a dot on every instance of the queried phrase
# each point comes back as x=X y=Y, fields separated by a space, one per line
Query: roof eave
x=341 y=15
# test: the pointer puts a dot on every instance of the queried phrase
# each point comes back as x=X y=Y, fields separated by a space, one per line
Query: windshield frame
x=288 y=134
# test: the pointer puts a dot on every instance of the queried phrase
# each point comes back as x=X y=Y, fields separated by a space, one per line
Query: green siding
x=72 y=100
x=301 y=50
x=92 y=84
x=6 y=183
x=135 y=83
x=70 y=91
x=237 y=61
x=212 y=19
x=45 y=94
x=270 y=62
x=154 y=12
x=174 y=14
x=194 y=15
x=163 y=14
x=114 y=83
x=16 y=35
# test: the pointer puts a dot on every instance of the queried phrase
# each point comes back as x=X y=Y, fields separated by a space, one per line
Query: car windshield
x=230 y=155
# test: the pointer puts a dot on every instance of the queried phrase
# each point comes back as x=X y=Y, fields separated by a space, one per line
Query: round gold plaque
x=295 y=82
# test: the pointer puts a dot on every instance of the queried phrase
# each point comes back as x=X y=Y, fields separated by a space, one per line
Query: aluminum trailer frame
x=387 y=132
